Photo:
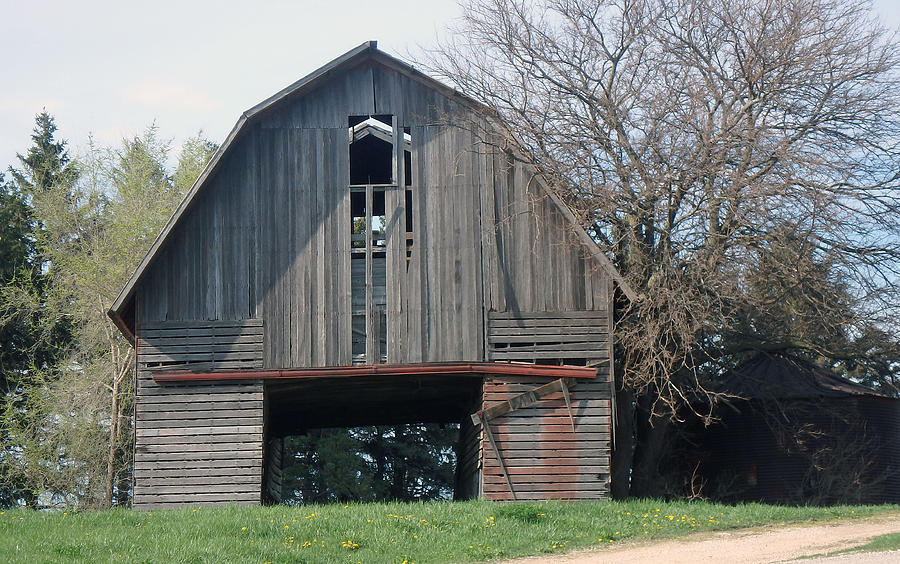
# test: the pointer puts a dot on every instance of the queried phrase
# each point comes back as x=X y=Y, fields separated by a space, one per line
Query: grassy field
x=372 y=532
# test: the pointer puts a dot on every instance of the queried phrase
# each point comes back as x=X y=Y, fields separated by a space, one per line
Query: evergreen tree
x=92 y=221
x=46 y=164
x=16 y=252
x=374 y=463
x=30 y=340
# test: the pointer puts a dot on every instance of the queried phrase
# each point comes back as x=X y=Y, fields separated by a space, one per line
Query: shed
x=357 y=252
x=800 y=434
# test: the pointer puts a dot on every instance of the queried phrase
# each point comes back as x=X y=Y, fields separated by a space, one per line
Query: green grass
x=890 y=541
x=373 y=532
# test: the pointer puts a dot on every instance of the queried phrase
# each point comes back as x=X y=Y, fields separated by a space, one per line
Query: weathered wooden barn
x=354 y=254
x=805 y=435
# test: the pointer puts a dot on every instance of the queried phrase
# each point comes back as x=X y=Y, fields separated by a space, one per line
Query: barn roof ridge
x=357 y=55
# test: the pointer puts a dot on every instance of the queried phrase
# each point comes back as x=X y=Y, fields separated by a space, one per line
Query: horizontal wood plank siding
x=543 y=456
x=541 y=336
x=202 y=443
x=226 y=344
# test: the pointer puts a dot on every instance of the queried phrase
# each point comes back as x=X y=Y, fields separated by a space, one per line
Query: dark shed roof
x=783 y=376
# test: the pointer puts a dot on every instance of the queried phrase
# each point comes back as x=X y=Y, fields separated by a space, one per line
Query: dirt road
x=746 y=546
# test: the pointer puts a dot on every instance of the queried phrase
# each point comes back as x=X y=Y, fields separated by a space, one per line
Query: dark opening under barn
x=371 y=437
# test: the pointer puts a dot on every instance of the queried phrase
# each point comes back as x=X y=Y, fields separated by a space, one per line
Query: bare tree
x=725 y=154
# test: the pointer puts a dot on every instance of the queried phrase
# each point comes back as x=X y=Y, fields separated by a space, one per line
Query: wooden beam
x=525 y=399
x=565 y=391
x=471 y=369
x=371 y=322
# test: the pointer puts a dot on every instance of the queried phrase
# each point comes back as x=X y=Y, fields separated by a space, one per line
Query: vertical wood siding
x=269 y=236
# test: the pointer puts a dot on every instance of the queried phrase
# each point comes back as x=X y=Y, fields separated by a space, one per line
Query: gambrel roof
x=122 y=310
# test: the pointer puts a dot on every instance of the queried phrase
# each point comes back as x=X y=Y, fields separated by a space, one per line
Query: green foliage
x=401 y=462
x=195 y=153
x=31 y=340
x=67 y=431
x=375 y=532
x=16 y=252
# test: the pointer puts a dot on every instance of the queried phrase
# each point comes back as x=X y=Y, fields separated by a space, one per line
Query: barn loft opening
x=374 y=174
x=371 y=437
x=372 y=151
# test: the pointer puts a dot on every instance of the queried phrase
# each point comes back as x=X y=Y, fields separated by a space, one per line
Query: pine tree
x=30 y=340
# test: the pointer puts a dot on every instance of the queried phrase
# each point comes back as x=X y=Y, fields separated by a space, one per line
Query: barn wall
x=531 y=258
x=882 y=416
x=544 y=457
x=198 y=443
x=858 y=462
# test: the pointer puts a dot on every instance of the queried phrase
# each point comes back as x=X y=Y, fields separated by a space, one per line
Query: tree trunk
x=651 y=432
x=113 y=440
x=623 y=449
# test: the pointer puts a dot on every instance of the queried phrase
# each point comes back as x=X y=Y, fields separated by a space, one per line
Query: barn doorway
x=371 y=438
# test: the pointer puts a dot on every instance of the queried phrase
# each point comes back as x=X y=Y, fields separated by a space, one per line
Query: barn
x=360 y=252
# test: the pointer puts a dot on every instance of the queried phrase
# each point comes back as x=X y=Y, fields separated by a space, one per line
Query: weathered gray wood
x=200 y=433
x=525 y=460
x=321 y=262
x=221 y=467
x=197 y=459
x=533 y=357
x=243 y=324
x=207 y=392
x=213 y=443
x=559 y=321
x=176 y=421
x=160 y=483
x=150 y=499
x=197 y=398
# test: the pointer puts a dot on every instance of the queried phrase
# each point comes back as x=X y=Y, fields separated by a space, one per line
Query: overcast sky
x=111 y=67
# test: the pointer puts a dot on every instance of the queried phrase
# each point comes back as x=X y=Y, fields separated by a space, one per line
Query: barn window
x=373 y=175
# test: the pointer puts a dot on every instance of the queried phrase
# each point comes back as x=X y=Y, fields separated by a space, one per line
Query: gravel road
x=747 y=546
